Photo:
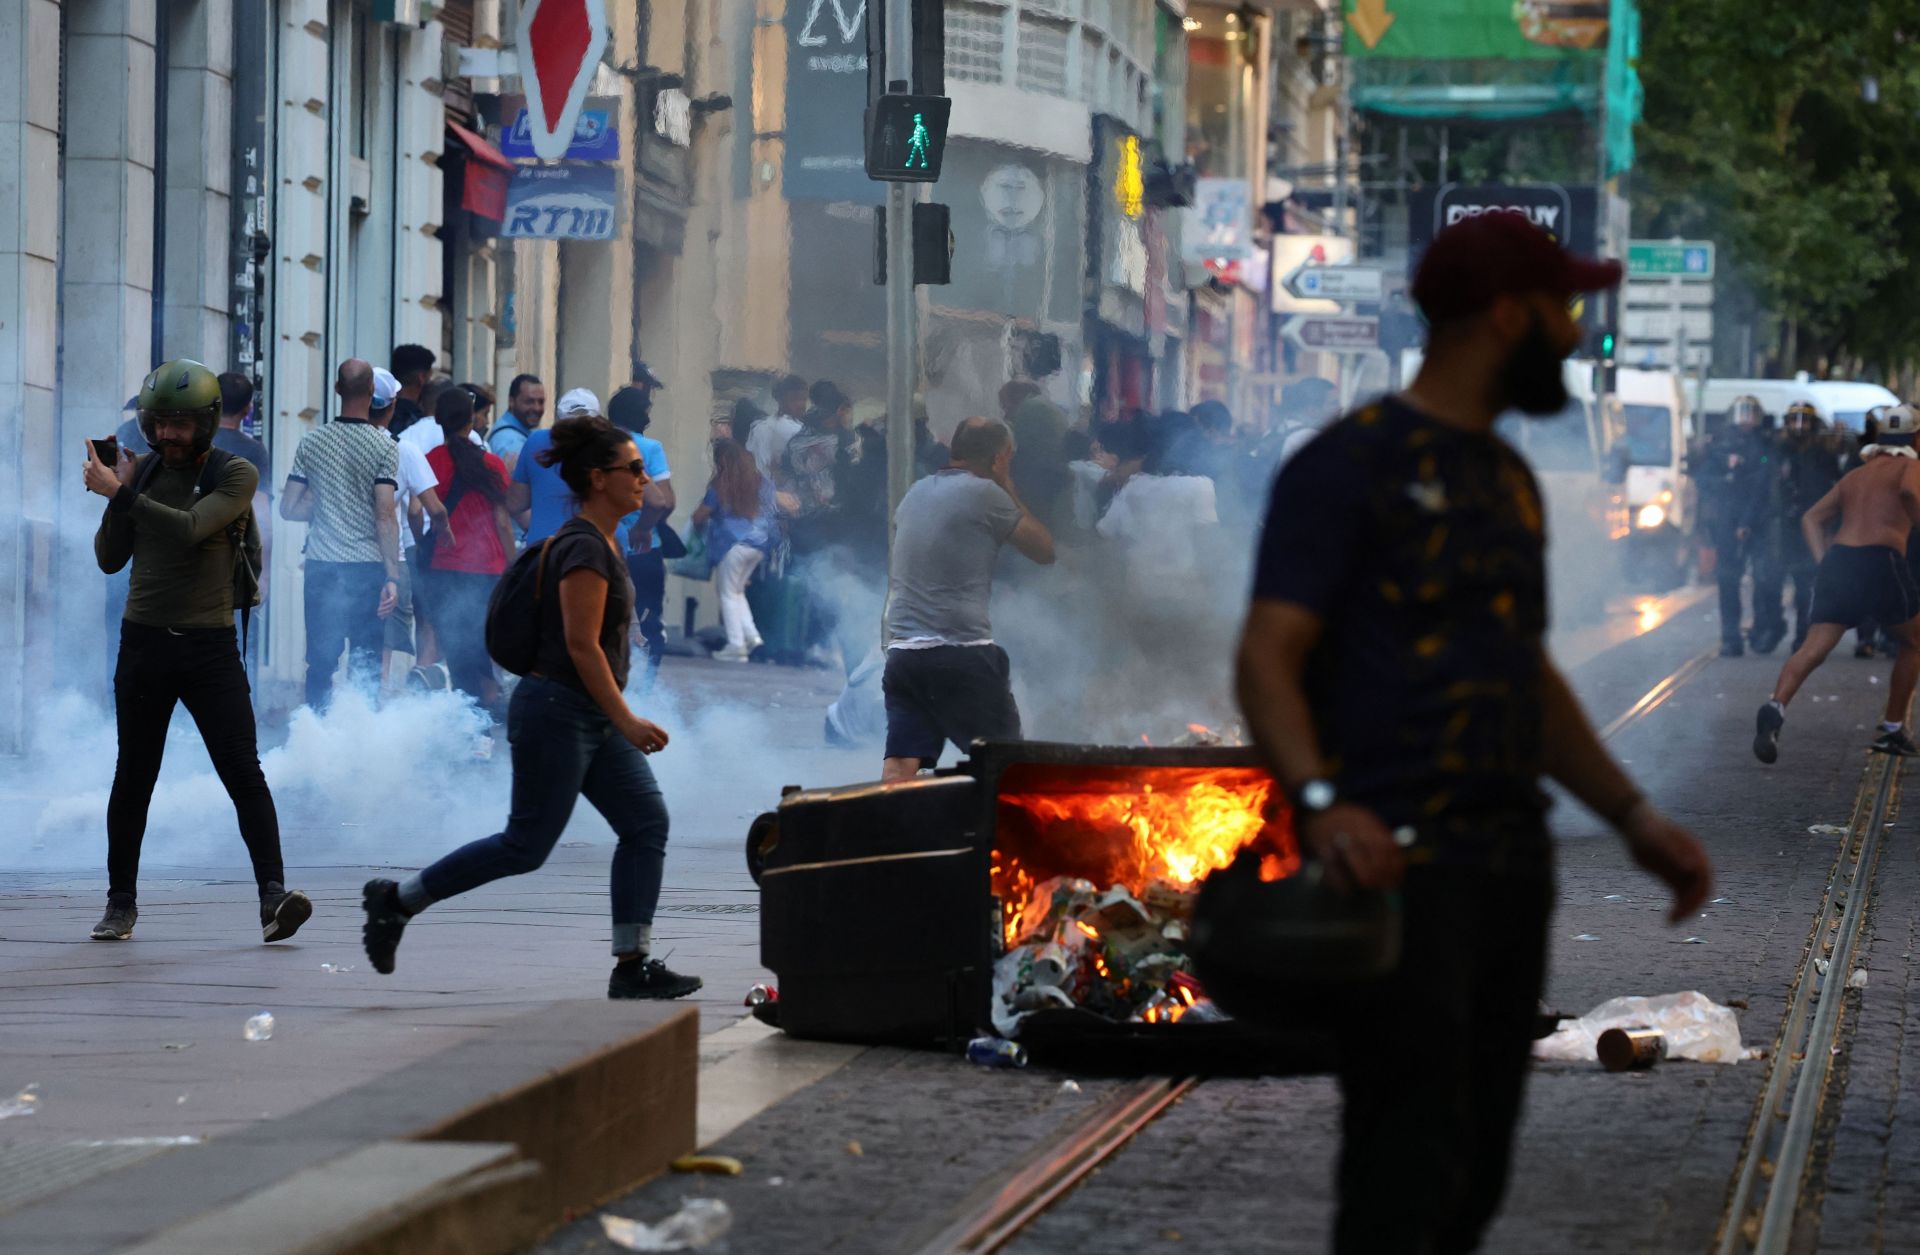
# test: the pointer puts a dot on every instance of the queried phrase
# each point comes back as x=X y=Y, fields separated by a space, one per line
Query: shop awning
x=483 y=190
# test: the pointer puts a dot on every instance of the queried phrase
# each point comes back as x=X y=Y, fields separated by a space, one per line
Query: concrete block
x=98 y=250
x=443 y=1196
x=99 y=97
x=30 y=62
x=39 y=321
x=40 y=193
x=112 y=17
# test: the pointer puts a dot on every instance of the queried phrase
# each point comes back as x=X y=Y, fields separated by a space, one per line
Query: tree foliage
x=1789 y=133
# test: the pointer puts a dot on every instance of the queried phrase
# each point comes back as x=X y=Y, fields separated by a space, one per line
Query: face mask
x=1531 y=381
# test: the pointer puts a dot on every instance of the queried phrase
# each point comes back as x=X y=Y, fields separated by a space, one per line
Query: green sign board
x=1473 y=30
x=1669 y=259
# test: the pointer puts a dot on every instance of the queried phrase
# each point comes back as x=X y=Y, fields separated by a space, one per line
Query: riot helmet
x=1747 y=414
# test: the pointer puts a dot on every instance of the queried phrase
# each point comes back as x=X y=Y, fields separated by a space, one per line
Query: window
x=1043 y=55
x=976 y=42
x=1093 y=65
x=1648 y=435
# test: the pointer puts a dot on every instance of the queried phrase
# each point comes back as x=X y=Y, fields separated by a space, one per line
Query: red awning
x=477 y=144
x=483 y=190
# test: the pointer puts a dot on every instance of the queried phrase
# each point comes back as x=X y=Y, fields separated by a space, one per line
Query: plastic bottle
x=996 y=1052
x=259 y=1027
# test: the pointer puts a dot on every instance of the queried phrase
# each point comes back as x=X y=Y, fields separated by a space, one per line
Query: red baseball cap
x=1477 y=260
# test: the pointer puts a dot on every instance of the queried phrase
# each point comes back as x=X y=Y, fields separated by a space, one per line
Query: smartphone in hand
x=107 y=451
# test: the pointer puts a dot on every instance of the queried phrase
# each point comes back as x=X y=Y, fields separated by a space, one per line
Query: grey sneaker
x=117 y=923
x=282 y=912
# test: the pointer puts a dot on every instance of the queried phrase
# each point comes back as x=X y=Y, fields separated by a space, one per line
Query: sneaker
x=730 y=654
x=754 y=642
x=1896 y=743
x=835 y=737
x=1766 y=733
x=1732 y=649
x=1764 y=642
x=117 y=923
x=1863 y=650
x=282 y=912
x=431 y=678
x=649 y=978
x=386 y=920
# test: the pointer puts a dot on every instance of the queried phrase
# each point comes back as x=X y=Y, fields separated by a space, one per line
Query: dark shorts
x=957 y=693
x=1861 y=582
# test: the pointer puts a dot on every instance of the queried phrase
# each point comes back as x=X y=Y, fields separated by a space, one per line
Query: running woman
x=571 y=730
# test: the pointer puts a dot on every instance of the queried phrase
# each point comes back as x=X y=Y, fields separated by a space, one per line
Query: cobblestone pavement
x=1609 y=1163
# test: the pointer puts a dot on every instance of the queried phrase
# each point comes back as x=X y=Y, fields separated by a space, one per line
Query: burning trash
x=1105 y=931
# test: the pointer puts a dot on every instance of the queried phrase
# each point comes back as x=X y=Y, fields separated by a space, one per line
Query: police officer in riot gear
x=1809 y=465
x=181 y=516
x=1738 y=474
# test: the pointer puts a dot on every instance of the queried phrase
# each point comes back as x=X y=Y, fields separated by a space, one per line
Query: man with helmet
x=182 y=515
x=1863 y=574
x=1809 y=467
x=1737 y=470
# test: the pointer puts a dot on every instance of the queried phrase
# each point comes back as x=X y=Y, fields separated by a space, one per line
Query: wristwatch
x=1314 y=796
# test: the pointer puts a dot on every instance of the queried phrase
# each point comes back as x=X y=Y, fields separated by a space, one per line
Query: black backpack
x=243 y=533
x=513 y=611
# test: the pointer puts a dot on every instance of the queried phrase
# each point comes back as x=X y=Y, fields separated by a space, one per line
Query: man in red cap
x=1395 y=678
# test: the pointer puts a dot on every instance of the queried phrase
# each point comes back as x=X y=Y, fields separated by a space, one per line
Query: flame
x=1199 y=729
x=1135 y=827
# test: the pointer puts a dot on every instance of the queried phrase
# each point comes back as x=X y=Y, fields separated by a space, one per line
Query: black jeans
x=1433 y=1062
x=201 y=668
x=343 y=612
x=459 y=601
x=1733 y=556
x=649 y=572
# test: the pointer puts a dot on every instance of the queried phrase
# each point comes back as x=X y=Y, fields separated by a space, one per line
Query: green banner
x=1474 y=30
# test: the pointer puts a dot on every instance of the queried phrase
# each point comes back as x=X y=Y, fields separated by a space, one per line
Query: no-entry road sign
x=560 y=46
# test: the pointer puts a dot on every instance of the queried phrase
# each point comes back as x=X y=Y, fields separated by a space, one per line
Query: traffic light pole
x=900 y=305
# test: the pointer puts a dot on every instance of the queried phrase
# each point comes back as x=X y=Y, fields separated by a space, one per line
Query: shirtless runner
x=1863 y=575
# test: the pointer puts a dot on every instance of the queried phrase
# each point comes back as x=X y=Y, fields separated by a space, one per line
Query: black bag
x=243 y=533
x=513 y=611
x=671 y=545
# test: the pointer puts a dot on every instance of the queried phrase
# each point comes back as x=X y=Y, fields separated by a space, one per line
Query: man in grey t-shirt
x=945 y=678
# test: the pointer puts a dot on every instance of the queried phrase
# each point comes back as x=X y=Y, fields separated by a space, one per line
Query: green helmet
x=182 y=388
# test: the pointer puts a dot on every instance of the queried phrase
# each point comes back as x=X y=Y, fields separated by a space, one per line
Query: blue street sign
x=562 y=203
x=596 y=137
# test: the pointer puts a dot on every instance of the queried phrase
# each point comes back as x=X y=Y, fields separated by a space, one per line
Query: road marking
x=1766 y=1194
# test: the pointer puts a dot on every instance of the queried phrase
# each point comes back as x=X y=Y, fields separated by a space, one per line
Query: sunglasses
x=635 y=468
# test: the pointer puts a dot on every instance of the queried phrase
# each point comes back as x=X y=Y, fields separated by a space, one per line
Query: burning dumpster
x=1032 y=884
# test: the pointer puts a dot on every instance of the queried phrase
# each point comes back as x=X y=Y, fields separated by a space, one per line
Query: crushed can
x=996 y=1052
x=759 y=994
x=1631 y=1049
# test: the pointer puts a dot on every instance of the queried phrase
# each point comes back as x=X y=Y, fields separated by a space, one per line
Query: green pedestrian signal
x=906 y=138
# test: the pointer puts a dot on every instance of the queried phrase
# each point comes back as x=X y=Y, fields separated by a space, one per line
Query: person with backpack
x=182 y=515
x=559 y=618
x=463 y=560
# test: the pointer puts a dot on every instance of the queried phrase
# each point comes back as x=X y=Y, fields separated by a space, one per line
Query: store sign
x=562 y=203
x=1129 y=178
x=826 y=148
x=1219 y=225
x=560 y=43
x=1568 y=214
x=596 y=135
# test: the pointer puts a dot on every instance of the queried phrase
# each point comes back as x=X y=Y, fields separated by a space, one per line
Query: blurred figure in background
x=1809 y=467
x=526 y=408
x=740 y=517
x=468 y=554
x=767 y=440
x=631 y=410
x=740 y=423
x=1039 y=430
x=412 y=365
x=1737 y=474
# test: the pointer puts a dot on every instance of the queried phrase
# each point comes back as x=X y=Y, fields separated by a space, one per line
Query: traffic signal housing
x=932 y=244
x=907 y=138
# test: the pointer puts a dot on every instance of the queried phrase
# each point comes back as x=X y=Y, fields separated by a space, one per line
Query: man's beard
x=1532 y=381
x=176 y=452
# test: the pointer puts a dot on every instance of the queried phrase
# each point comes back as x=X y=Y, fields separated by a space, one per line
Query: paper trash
x=1695 y=1026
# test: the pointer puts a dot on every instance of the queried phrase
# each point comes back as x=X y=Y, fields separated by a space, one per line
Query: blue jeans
x=564 y=748
x=343 y=612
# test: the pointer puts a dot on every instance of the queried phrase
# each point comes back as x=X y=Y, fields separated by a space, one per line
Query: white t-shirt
x=1161 y=520
x=426 y=436
x=767 y=441
x=415 y=477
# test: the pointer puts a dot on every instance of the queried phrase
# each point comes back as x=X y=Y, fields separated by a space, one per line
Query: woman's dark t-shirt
x=578 y=544
x=1421 y=549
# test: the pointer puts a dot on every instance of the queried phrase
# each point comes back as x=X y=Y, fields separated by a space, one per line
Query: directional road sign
x=1337 y=283
x=560 y=46
x=1333 y=335
x=1686 y=259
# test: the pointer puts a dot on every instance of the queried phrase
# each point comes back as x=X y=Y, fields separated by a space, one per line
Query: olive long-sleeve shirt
x=182 y=558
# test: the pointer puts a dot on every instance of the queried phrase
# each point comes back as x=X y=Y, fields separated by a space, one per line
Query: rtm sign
x=562 y=203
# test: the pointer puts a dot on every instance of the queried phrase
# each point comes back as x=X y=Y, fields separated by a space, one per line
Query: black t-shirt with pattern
x=1421 y=547
x=579 y=544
